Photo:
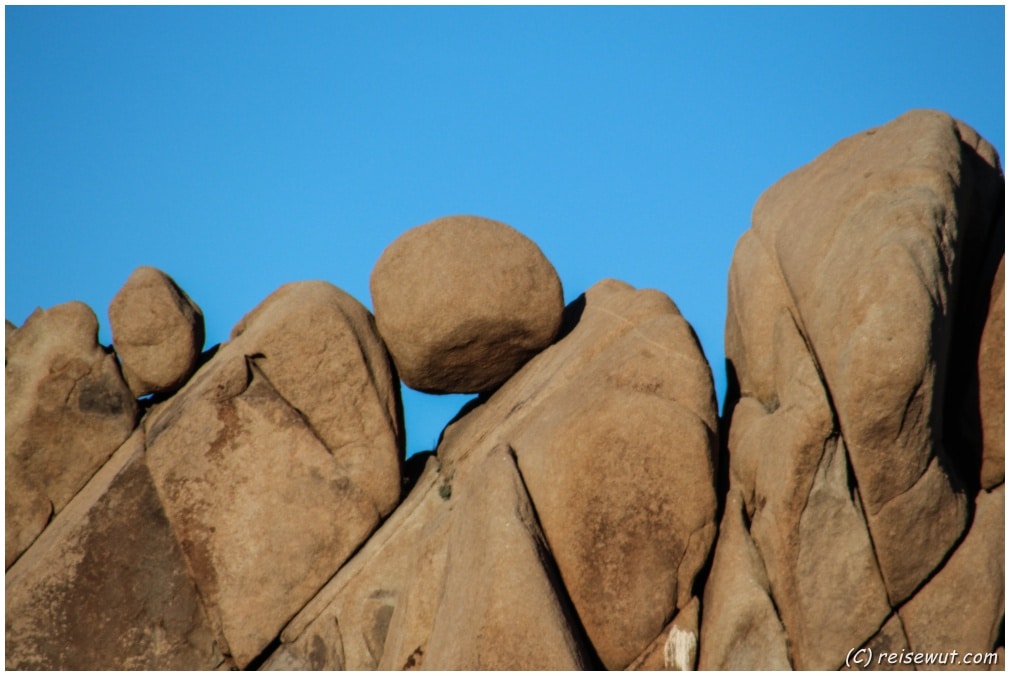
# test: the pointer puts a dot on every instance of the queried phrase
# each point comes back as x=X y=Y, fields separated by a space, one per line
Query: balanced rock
x=157 y=331
x=67 y=410
x=463 y=302
x=852 y=318
x=578 y=499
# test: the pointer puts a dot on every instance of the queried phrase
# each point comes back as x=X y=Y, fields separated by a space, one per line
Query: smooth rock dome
x=463 y=302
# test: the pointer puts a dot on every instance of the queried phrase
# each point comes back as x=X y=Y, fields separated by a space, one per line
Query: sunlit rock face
x=859 y=459
x=589 y=509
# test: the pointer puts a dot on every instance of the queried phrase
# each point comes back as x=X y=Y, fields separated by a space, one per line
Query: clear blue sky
x=241 y=148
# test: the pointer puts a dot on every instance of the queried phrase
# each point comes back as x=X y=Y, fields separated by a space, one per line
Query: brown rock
x=962 y=606
x=106 y=585
x=855 y=235
x=378 y=610
x=26 y=512
x=991 y=386
x=157 y=331
x=837 y=336
x=614 y=428
x=740 y=628
x=307 y=337
x=416 y=586
x=676 y=648
x=877 y=654
x=67 y=410
x=463 y=302
x=504 y=606
x=252 y=467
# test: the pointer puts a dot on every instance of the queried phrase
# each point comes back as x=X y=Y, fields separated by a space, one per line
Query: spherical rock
x=157 y=331
x=463 y=302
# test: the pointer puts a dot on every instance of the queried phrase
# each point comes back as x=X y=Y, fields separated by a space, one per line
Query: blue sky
x=242 y=148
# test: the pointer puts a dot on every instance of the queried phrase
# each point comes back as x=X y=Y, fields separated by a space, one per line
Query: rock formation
x=857 y=303
x=589 y=509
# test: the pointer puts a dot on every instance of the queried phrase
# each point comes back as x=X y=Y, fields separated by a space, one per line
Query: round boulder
x=463 y=302
x=157 y=331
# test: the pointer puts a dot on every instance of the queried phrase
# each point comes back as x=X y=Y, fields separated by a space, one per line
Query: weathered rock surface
x=962 y=607
x=503 y=604
x=267 y=490
x=614 y=428
x=463 y=302
x=67 y=410
x=626 y=550
x=676 y=647
x=107 y=586
x=850 y=322
x=157 y=331
x=378 y=610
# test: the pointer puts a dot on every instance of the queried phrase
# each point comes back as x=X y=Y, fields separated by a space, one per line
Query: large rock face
x=157 y=331
x=852 y=317
x=278 y=459
x=67 y=410
x=594 y=533
x=463 y=302
x=106 y=586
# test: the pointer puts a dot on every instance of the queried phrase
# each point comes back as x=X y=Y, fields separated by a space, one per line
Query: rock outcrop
x=463 y=302
x=589 y=509
x=852 y=322
x=600 y=456
x=235 y=501
x=67 y=410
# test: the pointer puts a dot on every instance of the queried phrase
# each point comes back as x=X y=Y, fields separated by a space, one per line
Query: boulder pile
x=250 y=506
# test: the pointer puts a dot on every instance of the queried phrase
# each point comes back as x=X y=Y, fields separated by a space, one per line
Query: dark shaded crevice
x=258 y=661
x=980 y=199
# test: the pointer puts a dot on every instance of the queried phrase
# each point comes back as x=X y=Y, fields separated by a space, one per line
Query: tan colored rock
x=991 y=374
x=307 y=337
x=614 y=428
x=877 y=654
x=790 y=470
x=106 y=585
x=269 y=470
x=740 y=628
x=463 y=302
x=837 y=335
x=27 y=510
x=503 y=605
x=676 y=648
x=157 y=331
x=67 y=410
x=378 y=610
x=854 y=235
x=962 y=606
x=415 y=586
